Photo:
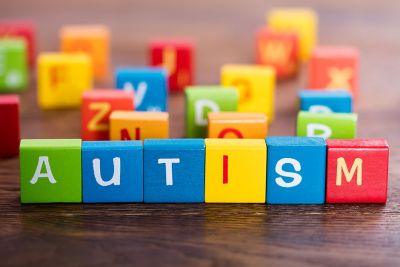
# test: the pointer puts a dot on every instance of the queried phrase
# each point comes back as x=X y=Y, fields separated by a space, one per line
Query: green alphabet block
x=202 y=99
x=51 y=171
x=327 y=125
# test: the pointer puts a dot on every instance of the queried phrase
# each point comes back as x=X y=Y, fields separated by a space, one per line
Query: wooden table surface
x=210 y=234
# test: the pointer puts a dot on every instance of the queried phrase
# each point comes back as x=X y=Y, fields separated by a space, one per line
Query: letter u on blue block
x=112 y=171
x=174 y=170
x=326 y=101
x=296 y=170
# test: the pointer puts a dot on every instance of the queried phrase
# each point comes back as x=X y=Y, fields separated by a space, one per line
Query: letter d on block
x=115 y=180
x=312 y=129
x=200 y=106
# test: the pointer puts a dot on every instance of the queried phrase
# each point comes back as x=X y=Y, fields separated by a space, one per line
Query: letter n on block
x=357 y=171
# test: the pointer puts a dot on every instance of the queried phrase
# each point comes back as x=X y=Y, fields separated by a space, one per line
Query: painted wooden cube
x=93 y=40
x=97 y=105
x=357 y=171
x=296 y=170
x=10 y=125
x=62 y=79
x=177 y=57
x=51 y=170
x=174 y=170
x=203 y=99
x=149 y=84
x=278 y=50
x=112 y=171
x=256 y=85
x=302 y=21
x=326 y=101
x=136 y=125
x=235 y=171
x=237 y=125
x=327 y=125
x=334 y=68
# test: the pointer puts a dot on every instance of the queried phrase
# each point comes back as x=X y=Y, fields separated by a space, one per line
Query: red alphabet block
x=334 y=68
x=279 y=50
x=9 y=121
x=96 y=109
x=357 y=171
x=177 y=57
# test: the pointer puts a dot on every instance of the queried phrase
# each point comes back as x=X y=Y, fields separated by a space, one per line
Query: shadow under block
x=203 y=99
x=112 y=171
x=326 y=101
x=237 y=125
x=62 y=79
x=256 y=85
x=357 y=171
x=296 y=170
x=97 y=105
x=177 y=57
x=51 y=171
x=301 y=21
x=327 y=125
x=13 y=65
x=235 y=171
x=334 y=67
x=9 y=123
x=94 y=40
x=174 y=170
x=135 y=125
x=149 y=84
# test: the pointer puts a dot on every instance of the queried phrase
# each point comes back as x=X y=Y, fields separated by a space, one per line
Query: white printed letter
x=48 y=174
x=312 y=128
x=139 y=93
x=199 y=110
x=319 y=109
x=115 y=180
x=295 y=176
x=168 y=169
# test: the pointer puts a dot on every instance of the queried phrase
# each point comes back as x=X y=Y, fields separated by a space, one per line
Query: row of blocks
x=278 y=170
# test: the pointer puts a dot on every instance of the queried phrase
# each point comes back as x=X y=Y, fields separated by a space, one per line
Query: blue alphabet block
x=296 y=170
x=112 y=171
x=174 y=170
x=326 y=101
x=150 y=86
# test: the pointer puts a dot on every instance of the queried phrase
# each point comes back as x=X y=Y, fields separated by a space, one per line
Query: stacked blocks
x=296 y=170
x=326 y=101
x=237 y=125
x=174 y=170
x=62 y=78
x=149 y=85
x=97 y=105
x=9 y=121
x=112 y=171
x=256 y=85
x=134 y=125
x=203 y=99
x=177 y=57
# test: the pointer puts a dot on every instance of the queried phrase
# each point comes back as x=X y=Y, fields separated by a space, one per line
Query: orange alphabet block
x=134 y=125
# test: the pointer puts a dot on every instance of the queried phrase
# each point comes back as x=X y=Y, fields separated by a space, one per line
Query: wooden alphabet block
x=93 y=40
x=296 y=170
x=334 y=68
x=357 y=171
x=327 y=125
x=135 y=125
x=256 y=85
x=97 y=105
x=202 y=99
x=112 y=171
x=235 y=171
x=51 y=170
x=10 y=129
x=62 y=79
x=174 y=170
x=149 y=84
x=177 y=57
x=278 y=50
x=237 y=125
x=13 y=65
x=302 y=21
x=326 y=101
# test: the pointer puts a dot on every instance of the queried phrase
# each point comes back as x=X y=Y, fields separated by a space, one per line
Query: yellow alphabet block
x=302 y=21
x=62 y=79
x=256 y=85
x=235 y=171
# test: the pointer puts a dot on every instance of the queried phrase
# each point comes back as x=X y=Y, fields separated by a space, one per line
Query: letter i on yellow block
x=235 y=171
x=256 y=85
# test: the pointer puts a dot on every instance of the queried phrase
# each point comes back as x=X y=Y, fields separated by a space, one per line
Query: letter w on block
x=116 y=178
x=342 y=168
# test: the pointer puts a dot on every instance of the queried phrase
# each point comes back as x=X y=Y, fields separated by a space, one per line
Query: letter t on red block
x=9 y=124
